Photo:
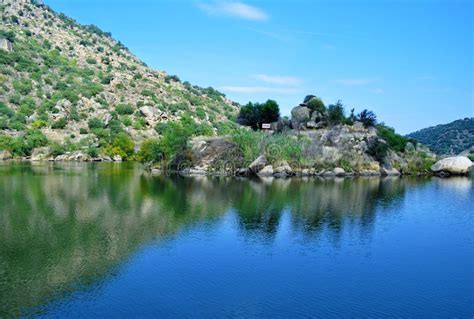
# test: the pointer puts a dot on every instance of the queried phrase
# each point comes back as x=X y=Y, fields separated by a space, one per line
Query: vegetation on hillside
x=451 y=138
x=75 y=84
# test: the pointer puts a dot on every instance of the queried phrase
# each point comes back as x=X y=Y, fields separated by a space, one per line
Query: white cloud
x=354 y=82
x=234 y=9
x=279 y=79
x=259 y=89
x=377 y=91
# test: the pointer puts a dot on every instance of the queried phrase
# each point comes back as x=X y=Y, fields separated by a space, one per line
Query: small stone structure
x=5 y=45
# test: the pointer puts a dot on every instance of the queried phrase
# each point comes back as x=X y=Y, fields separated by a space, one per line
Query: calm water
x=108 y=240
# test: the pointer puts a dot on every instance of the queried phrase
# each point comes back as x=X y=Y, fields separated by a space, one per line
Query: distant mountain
x=451 y=138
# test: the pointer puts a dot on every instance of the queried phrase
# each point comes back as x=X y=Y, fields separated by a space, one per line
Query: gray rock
x=5 y=155
x=40 y=153
x=283 y=169
x=259 y=163
x=388 y=170
x=339 y=171
x=299 y=117
x=266 y=171
x=456 y=165
x=117 y=158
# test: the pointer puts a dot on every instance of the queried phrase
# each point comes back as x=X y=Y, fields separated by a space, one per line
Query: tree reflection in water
x=64 y=226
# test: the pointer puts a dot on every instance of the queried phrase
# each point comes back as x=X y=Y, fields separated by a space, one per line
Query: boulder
x=299 y=117
x=259 y=163
x=117 y=158
x=40 y=153
x=5 y=155
x=339 y=171
x=284 y=168
x=148 y=111
x=388 y=170
x=456 y=165
x=266 y=171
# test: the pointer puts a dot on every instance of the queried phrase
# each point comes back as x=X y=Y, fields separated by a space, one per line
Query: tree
x=368 y=118
x=336 y=113
x=254 y=114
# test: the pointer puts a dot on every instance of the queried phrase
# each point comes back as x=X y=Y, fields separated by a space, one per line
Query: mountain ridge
x=448 y=139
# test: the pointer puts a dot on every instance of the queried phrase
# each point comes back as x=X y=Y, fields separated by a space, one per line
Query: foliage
x=123 y=109
x=94 y=123
x=451 y=138
x=368 y=118
x=23 y=145
x=377 y=149
x=336 y=113
x=314 y=103
x=59 y=124
x=394 y=140
x=254 y=114
x=122 y=145
x=150 y=151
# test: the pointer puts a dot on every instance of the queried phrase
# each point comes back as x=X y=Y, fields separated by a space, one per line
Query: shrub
x=5 y=110
x=124 y=109
x=94 y=123
x=173 y=78
x=377 y=149
x=394 y=140
x=122 y=145
x=150 y=151
x=91 y=61
x=314 y=103
x=368 y=118
x=23 y=86
x=147 y=92
x=59 y=124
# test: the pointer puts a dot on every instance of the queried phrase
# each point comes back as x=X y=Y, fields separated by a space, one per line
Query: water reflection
x=67 y=225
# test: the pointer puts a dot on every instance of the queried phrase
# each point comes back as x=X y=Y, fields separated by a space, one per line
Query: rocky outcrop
x=457 y=165
x=5 y=155
x=258 y=164
x=300 y=116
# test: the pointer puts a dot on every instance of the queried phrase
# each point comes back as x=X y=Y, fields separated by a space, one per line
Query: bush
x=124 y=109
x=150 y=151
x=378 y=149
x=368 y=118
x=254 y=114
x=23 y=86
x=336 y=113
x=122 y=145
x=314 y=103
x=59 y=124
x=83 y=131
x=394 y=140
x=5 y=110
x=95 y=123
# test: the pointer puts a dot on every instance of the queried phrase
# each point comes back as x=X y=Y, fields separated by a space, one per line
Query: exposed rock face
x=5 y=45
x=5 y=155
x=257 y=165
x=266 y=171
x=300 y=115
x=388 y=170
x=457 y=165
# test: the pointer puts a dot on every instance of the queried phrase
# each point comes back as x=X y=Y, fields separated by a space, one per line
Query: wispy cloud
x=233 y=9
x=355 y=82
x=259 y=89
x=279 y=79
x=378 y=91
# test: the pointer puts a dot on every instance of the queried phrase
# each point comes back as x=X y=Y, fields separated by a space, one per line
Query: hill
x=75 y=86
x=451 y=138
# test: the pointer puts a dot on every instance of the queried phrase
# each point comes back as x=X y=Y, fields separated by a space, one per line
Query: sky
x=410 y=61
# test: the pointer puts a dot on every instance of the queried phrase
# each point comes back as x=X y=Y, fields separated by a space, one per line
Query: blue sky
x=410 y=61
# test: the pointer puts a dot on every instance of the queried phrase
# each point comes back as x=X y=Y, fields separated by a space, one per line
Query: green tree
x=336 y=113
